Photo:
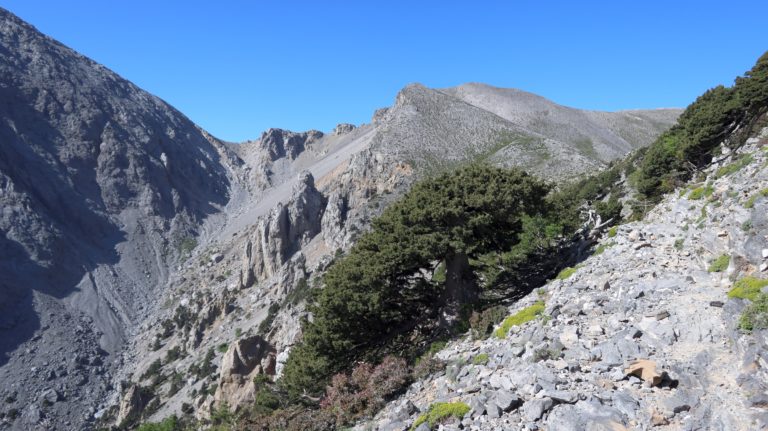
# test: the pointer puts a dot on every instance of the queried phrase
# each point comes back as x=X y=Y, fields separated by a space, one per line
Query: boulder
x=646 y=370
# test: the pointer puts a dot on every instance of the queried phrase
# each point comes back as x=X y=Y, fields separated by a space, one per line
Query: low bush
x=366 y=389
x=720 y=264
x=525 y=315
x=755 y=316
x=482 y=323
x=747 y=288
x=480 y=359
x=701 y=192
x=440 y=412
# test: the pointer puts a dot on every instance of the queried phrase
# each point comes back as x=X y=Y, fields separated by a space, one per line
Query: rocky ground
x=650 y=294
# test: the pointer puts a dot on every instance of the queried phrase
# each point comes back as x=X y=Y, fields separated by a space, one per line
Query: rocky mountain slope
x=131 y=236
x=644 y=334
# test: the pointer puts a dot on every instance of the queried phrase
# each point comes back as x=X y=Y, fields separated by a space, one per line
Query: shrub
x=480 y=359
x=222 y=348
x=602 y=248
x=679 y=243
x=755 y=316
x=720 y=264
x=153 y=369
x=747 y=288
x=482 y=323
x=440 y=412
x=612 y=232
x=525 y=315
x=365 y=390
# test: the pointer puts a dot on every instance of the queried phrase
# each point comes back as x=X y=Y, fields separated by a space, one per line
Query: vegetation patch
x=720 y=264
x=755 y=316
x=602 y=247
x=612 y=232
x=525 y=315
x=736 y=166
x=701 y=192
x=480 y=359
x=482 y=323
x=440 y=412
x=567 y=273
x=747 y=288
x=750 y=203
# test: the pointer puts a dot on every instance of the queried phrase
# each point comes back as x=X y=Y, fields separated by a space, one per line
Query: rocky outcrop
x=281 y=143
x=283 y=232
x=343 y=129
x=245 y=359
x=132 y=403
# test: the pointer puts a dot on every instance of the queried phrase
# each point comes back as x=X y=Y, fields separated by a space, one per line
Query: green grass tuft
x=566 y=273
x=747 y=288
x=612 y=232
x=525 y=315
x=480 y=359
x=735 y=166
x=750 y=203
x=701 y=192
x=720 y=264
x=439 y=412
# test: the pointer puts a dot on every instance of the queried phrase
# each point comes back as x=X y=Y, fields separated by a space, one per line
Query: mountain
x=100 y=183
x=133 y=243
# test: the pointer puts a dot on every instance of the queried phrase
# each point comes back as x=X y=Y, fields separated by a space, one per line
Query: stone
x=50 y=396
x=217 y=257
x=533 y=410
x=569 y=336
x=595 y=331
x=498 y=381
x=493 y=410
x=716 y=304
x=765 y=253
x=506 y=400
x=423 y=427
x=561 y=396
x=646 y=370
x=342 y=129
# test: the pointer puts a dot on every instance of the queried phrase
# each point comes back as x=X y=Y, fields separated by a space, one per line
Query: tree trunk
x=460 y=287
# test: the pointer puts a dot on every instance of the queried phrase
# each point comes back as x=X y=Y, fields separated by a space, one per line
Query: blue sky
x=239 y=67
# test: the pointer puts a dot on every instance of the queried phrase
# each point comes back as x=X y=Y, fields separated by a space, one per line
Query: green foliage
x=223 y=415
x=679 y=243
x=377 y=292
x=299 y=293
x=676 y=155
x=747 y=288
x=566 y=273
x=222 y=348
x=755 y=315
x=266 y=325
x=750 y=203
x=735 y=166
x=170 y=423
x=480 y=359
x=238 y=332
x=153 y=369
x=701 y=192
x=720 y=264
x=186 y=246
x=482 y=323
x=440 y=412
x=602 y=247
x=525 y=315
x=612 y=232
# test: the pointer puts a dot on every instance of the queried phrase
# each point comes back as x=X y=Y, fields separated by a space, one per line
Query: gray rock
x=534 y=409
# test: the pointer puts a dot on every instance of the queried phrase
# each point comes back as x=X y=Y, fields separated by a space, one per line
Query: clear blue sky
x=239 y=67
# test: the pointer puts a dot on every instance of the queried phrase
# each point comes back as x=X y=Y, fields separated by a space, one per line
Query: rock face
x=285 y=230
x=637 y=337
x=281 y=143
x=244 y=360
